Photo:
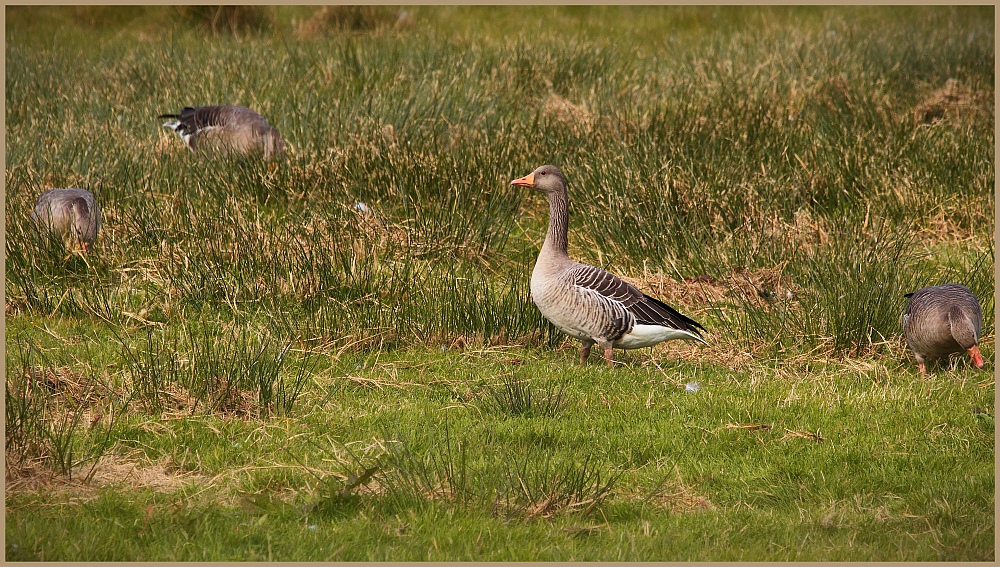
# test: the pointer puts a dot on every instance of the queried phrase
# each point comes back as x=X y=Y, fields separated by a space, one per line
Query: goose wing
x=646 y=310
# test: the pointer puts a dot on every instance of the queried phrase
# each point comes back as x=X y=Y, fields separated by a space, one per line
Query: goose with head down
x=230 y=127
x=587 y=302
x=941 y=320
x=71 y=214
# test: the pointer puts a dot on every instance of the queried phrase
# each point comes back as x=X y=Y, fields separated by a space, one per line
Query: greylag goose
x=587 y=302
x=72 y=214
x=235 y=128
x=941 y=320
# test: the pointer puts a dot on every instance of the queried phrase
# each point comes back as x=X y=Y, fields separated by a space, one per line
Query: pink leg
x=609 y=356
x=584 y=353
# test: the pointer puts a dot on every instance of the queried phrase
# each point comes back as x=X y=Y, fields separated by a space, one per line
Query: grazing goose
x=586 y=302
x=72 y=214
x=941 y=320
x=230 y=127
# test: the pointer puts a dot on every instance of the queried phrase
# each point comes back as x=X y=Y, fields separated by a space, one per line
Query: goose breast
x=579 y=311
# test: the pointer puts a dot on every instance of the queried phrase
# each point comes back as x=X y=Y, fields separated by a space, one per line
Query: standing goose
x=587 y=302
x=234 y=128
x=72 y=214
x=941 y=320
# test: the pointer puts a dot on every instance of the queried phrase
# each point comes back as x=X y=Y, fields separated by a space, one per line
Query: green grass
x=293 y=377
x=680 y=466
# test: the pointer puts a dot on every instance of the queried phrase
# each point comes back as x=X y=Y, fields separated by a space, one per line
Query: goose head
x=546 y=179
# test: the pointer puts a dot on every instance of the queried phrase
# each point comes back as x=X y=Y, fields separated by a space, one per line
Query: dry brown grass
x=943 y=227
x=68 y=393
x=567 y=112
x=954 y=102
x=846 y=512
x=803 y=435
x=698 y=292
x=676 y=497
x=332 y=19
x=550 y=506
x=177 y=400
x=109 y=471
x=65 y=383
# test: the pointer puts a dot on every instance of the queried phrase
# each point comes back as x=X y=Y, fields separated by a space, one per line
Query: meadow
x=336 y=356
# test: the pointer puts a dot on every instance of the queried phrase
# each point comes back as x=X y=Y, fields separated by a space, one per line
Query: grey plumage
x=72 y=214
x=234 y=128
x=587 y=302
x=941 y=320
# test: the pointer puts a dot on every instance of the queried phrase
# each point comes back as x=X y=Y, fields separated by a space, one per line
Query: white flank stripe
x=649 y=335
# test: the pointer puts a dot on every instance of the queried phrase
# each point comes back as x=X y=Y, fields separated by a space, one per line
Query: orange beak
x=526 y=181
x=977 y=358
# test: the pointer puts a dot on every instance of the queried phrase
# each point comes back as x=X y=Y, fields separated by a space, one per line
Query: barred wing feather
x=646 y=310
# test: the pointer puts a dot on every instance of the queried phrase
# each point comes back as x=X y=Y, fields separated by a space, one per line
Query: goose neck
x=556 y=237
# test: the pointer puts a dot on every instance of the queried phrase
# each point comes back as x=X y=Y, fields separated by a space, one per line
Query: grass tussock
x=527 y=484
x=515 y=397
x=228 y=371
x=56 y=418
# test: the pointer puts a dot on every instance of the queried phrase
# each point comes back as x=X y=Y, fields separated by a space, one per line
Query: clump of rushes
x=238 y=370
x=54 y=416
x=527 y=482
x=848 y=298
x=537 y=487
x=514 y=397
x=856 y=284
